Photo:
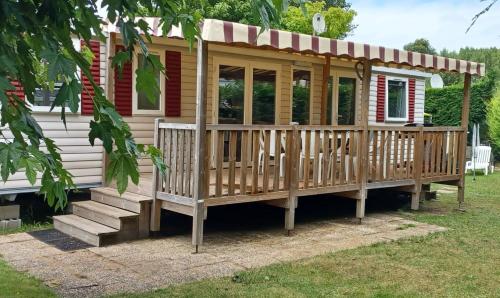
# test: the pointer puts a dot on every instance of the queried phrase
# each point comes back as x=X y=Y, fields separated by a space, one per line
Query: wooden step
x=110 y=216
x=85 y=230
x=128 y=201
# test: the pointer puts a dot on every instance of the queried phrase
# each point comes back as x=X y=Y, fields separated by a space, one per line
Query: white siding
x=81 y=159
x=419 y=100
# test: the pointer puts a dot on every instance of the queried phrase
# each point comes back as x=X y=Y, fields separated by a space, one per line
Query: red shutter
x=411 y=100
x=123 y=88
x=380 y=98
x=19 y=90
x=87 y=95
x=173 y=84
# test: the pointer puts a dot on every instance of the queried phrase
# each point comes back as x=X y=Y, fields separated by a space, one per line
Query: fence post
x=293 y=180
x=365 y=142
x=463 y=140
x=156 y=205
x=418 y=154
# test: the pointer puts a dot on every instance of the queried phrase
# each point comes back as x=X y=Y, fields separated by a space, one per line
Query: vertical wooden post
x=293 y=180
x=199 y=171
x=418 y=162
x=463 y=139
x=363 y=163
x=324 y=90
x=156 y=206
x=110 y=92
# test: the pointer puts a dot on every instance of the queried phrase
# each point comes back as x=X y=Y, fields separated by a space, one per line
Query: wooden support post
x=293 y=182
x=363 y=165
x=110 y=92
x=463 y=141
x=156 y=206
x=199 y=171
x=418 y=156
x=324 y=90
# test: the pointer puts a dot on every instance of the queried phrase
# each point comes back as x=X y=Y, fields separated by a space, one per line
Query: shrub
x=493 y=119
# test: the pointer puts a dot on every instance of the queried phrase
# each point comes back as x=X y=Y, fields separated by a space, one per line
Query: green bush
x=493 y=118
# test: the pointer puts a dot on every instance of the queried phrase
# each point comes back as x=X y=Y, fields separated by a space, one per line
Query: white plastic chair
x=272 y=153
x=480 y=160
x=311 y=152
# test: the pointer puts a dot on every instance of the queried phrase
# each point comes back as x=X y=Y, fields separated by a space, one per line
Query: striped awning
x=236 y=33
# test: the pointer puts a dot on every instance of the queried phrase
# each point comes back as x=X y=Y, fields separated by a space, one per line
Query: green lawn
x=464 y=261
x=28 y=227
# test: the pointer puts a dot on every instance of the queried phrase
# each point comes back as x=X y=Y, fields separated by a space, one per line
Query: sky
x=394 y=23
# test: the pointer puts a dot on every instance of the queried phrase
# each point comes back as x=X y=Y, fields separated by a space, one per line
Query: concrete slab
x=155 y=263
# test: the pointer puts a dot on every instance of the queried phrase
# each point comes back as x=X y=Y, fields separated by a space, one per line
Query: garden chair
x=480 y=160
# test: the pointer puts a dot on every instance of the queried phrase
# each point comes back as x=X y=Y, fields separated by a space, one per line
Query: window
x=301 y=96
x=263 y=96
x=329 y=102
x=347 y=101
x=231 y=94
x=143 y=102
x=397 y=100
x=45 y=97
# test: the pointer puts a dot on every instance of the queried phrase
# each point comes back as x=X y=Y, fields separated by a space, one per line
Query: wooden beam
x=199 y=171
x=463 y=139
x=324 y=90
x=363 y=164
x=156 y=205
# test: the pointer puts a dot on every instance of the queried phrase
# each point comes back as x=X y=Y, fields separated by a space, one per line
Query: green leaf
x=121 y=167
x=146 y=83
x=58 y=64
x=9 y=158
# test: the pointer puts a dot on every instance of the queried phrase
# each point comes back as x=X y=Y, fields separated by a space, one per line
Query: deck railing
x=266 y=162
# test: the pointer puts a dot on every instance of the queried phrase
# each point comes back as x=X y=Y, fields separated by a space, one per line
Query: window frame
x=135 y=98
x=248 y=66
x=311 y=91
x=407 y=103
x=46 y=109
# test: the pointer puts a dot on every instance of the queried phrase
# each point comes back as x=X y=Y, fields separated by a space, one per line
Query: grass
x=27 y=227
x=462 y=262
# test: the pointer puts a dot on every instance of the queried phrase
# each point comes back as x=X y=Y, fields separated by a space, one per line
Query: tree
x=493 y=120
x=39 y=32
x=338 y=20
x=420 y=45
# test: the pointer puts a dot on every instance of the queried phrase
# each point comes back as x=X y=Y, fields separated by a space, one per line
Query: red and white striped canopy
x=236 y=33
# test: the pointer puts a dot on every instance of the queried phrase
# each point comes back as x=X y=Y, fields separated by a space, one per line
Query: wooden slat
x=342 y=157
x=307 y=156
x=326 y=157
x=316 y=160
x=401 y=156
x=409 y=141
x=389 y=155
x=219 y=163
x=433 y=154
x=352 y=145
x=277 y=160
x=266 y=169
x=382 y=155
x=232 y=161
x=439 y=152
x=396 y=156
x=167 y=150
x=289 y=157
x=373 y=166
x=187 y=159
x=334 y=158
x=451 y=147
x=180 y=167
x=444 y=152
x=455 y=153
x=255 y=161
x=207 y=160
x=175 y=153
x=245 y=141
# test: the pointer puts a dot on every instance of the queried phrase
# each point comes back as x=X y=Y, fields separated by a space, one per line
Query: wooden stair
x=107 y=218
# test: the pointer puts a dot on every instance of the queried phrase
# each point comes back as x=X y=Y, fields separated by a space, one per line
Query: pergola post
x=324 y=90
x=463 y=141
x=363 y=154
x=199 y=171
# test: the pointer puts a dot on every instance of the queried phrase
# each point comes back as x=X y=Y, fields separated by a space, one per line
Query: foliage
x=445 y=105
x=420 y=45
x=20 y=284
x=36 y=31
x=493 y=119
x=338 y=20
